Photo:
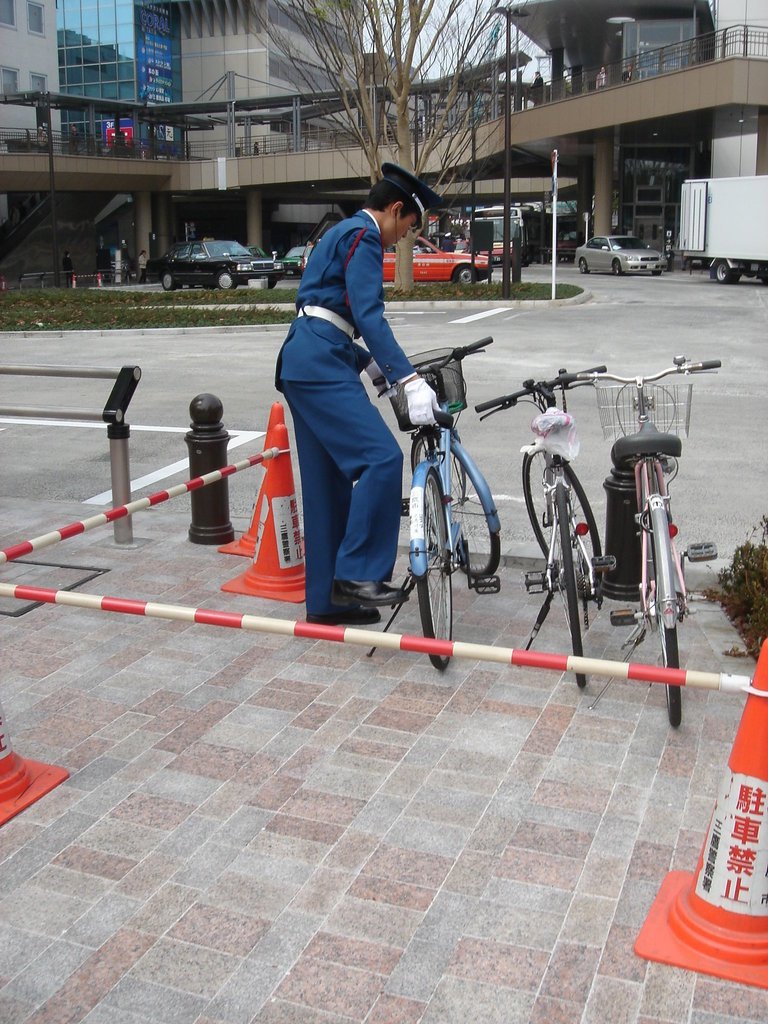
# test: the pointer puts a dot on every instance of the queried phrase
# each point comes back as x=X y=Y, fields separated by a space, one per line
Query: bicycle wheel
x=671 y=658
x=540 y=512
x=567 y=574
x=434 y=588
x=482 y=546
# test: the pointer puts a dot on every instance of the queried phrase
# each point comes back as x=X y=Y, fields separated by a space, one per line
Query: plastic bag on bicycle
x=555 y=431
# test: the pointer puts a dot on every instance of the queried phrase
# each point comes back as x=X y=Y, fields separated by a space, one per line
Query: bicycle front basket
x=668 y=405
x=447 y=381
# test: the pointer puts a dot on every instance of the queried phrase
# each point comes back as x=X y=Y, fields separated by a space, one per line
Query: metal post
x=207 y=444
x=119 y=464
x=52 y=189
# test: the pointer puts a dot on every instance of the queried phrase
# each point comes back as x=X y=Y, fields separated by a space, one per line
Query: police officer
x=349 y=461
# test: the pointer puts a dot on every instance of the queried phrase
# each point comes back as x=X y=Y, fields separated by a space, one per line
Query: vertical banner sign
x=735 y=860
x=554 y=223
x=155 y=80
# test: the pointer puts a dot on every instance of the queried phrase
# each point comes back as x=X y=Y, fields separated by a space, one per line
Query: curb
x=391 y=307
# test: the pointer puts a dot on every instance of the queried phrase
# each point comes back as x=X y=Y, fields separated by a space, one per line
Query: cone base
x=672 y=917
x=275 y=588
x=35 y=779
x=240 y=547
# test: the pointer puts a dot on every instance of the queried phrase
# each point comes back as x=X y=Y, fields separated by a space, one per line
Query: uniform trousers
x=351 y=469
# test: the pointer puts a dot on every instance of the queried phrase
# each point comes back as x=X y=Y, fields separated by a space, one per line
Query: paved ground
x=265 y=829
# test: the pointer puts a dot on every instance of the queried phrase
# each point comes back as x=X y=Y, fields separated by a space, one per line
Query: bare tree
x=402 y=79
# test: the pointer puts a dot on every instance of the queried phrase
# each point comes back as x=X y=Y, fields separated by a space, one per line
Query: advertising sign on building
x=153 y=53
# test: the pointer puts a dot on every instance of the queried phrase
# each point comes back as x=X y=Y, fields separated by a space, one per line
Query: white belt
x=333 y=318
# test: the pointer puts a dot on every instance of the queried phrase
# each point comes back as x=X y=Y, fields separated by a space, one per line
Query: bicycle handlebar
x=455 y=354
x=563 y=380
x=682 y=365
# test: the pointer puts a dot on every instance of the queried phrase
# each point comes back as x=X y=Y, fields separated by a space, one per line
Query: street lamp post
x=509 y=13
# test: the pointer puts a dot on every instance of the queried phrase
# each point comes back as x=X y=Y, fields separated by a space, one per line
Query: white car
x=619 y=254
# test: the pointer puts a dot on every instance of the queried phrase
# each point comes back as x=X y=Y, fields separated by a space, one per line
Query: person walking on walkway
x=142 y=264
x=68 y=267
x=349 y=461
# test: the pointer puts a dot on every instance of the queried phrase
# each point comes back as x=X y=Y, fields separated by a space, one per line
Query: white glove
x=378 y=379
x=422 y=401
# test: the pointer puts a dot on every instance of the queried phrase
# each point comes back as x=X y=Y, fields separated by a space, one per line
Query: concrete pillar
x=142 y=221
x=585 y=185
x=254 y=220
x=761 y=163
x=603 y=184
x=163 y=226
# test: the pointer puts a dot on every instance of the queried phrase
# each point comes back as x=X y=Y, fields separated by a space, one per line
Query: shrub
x=744 y=588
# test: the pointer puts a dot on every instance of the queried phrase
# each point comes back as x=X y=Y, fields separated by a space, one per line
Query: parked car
x=293 y=264
x=432 y=264
x=210 y=264
x=619 y=254
x=268 y=266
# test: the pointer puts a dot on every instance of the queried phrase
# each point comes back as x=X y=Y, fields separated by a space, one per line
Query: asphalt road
x=633 y=325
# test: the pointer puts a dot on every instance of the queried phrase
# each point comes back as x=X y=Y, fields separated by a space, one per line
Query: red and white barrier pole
x=25 y=547
x=389 y=641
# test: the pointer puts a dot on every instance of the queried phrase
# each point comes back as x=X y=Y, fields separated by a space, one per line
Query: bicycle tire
x=541 y=517
x=567 y=574
x=481 y=545
x=434 y=588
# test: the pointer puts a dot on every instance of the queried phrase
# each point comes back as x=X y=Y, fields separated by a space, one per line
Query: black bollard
x=622 y=537
x=207 y=443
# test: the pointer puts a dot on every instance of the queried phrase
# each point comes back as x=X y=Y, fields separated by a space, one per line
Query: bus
x=533 y=221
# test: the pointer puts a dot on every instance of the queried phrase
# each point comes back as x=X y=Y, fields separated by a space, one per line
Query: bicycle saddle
x=647 y=441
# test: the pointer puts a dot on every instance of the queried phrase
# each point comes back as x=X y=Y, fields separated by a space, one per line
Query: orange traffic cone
x=246 y=545
x=277 y=571
x=716 y=920
x=22 y=782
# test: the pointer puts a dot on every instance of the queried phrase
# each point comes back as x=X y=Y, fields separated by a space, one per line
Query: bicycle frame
x=438 y=456
x=666 y=607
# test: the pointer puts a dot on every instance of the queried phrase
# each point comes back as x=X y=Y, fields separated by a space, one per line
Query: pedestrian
x=601 y=79
x=537 y=89
x=42 y=137
x=74 y=140
x=142 y=262
x=349 y=461
x=68 y=267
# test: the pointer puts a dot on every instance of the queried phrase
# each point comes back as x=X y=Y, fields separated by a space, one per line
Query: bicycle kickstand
x=408 y=586
x=543 y=613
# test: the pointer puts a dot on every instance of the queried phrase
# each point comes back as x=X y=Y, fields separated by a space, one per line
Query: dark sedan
x=210 y=264
x=268 y=266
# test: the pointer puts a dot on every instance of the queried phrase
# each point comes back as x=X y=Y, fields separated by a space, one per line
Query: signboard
x=126 y=127
x=153 y=53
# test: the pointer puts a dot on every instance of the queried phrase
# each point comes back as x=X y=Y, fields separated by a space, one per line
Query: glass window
x=35 y=20
x=38 y=83
x=9 y=80
x=7 y=12
x=126 y=91
x=109 y=72
x=74 y=76
x=109 y=90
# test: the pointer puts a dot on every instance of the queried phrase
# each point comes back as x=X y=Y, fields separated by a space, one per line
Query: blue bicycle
x=453 y=519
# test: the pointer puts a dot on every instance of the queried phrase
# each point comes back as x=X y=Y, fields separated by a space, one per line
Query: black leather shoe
x=350 y=617
x=370 y=593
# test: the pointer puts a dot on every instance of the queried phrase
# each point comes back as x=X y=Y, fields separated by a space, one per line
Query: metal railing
x=113 y=414
x=734 y=41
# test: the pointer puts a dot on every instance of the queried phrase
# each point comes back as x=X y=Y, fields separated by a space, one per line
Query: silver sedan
x=619 y=254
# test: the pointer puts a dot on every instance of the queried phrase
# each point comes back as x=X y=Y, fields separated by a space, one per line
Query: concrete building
x=638 y=95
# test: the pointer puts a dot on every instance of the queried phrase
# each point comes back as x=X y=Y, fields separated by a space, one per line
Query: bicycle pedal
x=623 y=617
x=535 y=582
x=604 y=563
x=405 y=508
x=701 y=552
x=485 y=584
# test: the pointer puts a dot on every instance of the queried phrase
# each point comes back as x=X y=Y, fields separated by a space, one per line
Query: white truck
x=725 y=222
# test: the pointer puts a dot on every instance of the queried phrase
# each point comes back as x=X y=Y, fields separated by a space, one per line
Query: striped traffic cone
x=716 y=920
x=246 y=545
x=22 y=781
x=277 y=571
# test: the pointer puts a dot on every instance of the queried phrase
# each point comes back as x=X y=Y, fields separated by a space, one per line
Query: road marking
x=237 y=438
x=481 y=316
